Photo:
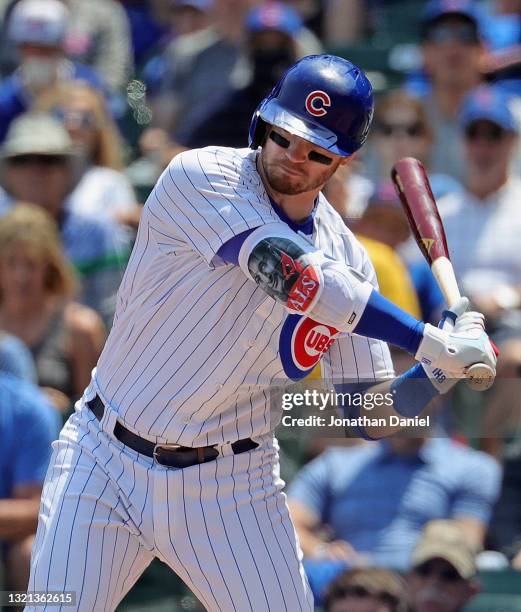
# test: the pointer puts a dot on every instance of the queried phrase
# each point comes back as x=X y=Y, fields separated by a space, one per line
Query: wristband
x=353 y=412
x=412 y=391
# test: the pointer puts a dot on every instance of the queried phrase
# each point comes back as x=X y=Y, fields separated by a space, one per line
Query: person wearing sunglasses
x=402 y=129
x=102 y=189
x=366 y=590
x=272 y=30
x=482 y=221
x=452 y=52
x=483 y=226
x=443 y=574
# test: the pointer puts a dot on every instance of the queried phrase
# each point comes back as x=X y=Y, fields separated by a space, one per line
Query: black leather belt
x=170 y=455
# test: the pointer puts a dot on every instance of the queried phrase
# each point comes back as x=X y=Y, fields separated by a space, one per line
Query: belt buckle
x=166 y=447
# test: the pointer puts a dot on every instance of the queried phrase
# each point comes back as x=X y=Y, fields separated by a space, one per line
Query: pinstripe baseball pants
x=222 y=526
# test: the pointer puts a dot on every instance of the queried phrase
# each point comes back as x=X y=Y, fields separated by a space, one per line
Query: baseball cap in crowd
x=36 y=134
x=274 y=16
x=436 y=10
x=41 y=22
x=488 y=103
x=444 y=539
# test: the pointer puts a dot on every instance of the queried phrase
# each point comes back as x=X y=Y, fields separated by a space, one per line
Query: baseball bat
x=415 y=193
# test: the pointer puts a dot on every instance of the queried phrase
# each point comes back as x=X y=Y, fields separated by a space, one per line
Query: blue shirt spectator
x=145 y=29
x=378 y=498
x=28 y=426
x=16 y=359
x=15 y=99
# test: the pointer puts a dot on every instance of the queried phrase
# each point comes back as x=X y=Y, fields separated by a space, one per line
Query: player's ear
x=345 y=160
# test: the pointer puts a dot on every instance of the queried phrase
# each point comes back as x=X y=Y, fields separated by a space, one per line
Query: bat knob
x=480 y=377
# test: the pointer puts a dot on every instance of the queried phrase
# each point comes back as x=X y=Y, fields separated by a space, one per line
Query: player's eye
x=319 y=158
x=279 y=139
x=312 y=155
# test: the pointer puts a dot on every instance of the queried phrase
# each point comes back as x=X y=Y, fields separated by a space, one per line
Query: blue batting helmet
x=324 y=99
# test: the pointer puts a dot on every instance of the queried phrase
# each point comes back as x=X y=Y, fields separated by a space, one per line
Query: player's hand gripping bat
x=414 y=190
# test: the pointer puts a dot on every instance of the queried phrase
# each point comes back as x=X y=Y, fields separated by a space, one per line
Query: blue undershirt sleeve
x=229 y=251
x=385 y=321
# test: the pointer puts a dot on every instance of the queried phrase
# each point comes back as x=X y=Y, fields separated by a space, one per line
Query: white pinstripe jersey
x=195 y=345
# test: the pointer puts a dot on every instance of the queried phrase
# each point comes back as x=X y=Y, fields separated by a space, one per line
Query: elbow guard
x=298 y=275
x=345 y=293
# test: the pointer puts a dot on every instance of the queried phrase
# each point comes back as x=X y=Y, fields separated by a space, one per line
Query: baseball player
x=242 y=275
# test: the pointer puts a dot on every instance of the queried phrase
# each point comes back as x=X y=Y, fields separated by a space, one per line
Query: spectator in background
x=38 y=167
x=193 y=73
x=374 y=499
x=103 y=189
x=393 y=279
x=229 y=17
x=16 y=359
x=38 y=28
x=271 y=48
x=453 y=50
x=383 y=220
x=36 y=291
x=99 y=36
x=505 y=528
x=443 y=575
x=483 y=226
x=366 y=590
x=147 y=26
x=28 y=426
x=344 y=22
x=482 y=223
x=401 y=128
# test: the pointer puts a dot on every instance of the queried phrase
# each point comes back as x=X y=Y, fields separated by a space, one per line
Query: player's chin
x=288 y=185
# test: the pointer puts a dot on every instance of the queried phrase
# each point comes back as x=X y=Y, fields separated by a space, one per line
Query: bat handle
x=479 y=376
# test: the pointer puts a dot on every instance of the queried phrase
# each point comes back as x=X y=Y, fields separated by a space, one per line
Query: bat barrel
x=413 y=188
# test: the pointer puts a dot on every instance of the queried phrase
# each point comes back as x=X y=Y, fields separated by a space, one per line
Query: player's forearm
x=405 y=398
x=18 y=518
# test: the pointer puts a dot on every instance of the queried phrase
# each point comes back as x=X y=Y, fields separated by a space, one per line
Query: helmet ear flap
x=258 y=131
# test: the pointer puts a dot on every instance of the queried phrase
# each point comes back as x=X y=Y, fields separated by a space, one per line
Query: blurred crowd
x=97 y=96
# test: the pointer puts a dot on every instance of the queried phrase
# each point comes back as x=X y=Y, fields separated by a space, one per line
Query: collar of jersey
x=305 y=227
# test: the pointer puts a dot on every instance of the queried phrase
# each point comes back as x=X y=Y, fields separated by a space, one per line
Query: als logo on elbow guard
x=304 y=290
x=302 y=343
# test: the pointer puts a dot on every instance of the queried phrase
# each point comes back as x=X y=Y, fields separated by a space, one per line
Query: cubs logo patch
x=317 y=102
x=302 y=343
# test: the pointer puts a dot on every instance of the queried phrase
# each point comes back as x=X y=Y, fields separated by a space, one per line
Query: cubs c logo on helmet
x=316 y=103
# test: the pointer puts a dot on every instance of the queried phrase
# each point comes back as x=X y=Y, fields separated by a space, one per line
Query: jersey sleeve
x=354 y=358
x=207 y=196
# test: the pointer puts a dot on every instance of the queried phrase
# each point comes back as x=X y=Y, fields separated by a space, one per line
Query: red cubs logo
x=310 y=341
x=316 y=103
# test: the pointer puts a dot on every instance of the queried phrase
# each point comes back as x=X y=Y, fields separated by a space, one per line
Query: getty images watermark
x=336 y=402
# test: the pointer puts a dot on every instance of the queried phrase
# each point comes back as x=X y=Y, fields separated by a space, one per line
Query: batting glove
x=441 y=380
x=447 y=353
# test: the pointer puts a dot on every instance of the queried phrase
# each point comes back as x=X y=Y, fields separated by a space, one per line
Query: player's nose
x=297 y=152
